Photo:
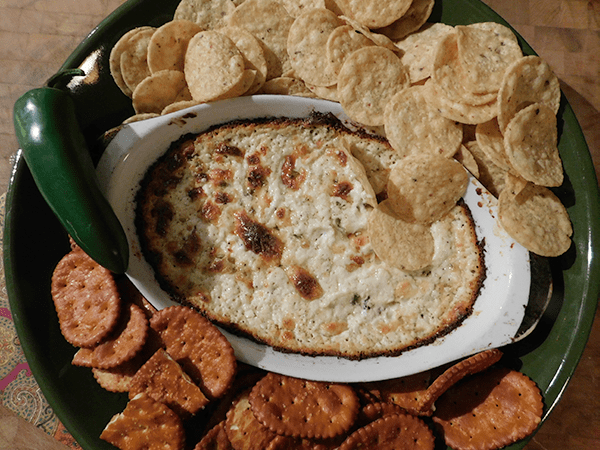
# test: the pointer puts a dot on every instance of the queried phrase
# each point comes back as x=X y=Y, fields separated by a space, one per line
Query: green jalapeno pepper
x=57 y=155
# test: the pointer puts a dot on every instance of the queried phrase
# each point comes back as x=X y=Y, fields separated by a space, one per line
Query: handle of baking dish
x=57 y=155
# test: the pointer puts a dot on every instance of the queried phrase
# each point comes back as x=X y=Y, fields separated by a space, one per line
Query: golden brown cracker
x=303 y=409
x=490 y=410
x=86 y=299
x=205 y=354
x=391 y=432
x=145 y=424
x=121 y=345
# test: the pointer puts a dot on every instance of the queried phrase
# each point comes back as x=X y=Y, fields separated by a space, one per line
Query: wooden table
x=37 y=36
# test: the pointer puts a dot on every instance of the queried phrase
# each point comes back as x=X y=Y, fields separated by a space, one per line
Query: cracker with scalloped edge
x=145 y=423
x=86 y=299
x=195 y=343
x=121 y=345
x=392 y=432
x=489 y=410
x=294 y=407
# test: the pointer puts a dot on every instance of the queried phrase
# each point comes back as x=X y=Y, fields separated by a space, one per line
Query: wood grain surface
x=36 y=36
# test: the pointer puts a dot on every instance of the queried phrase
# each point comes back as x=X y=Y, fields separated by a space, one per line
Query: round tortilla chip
x=490 y=175
x=489 y=410
x=168 y=44
x=413 y=19
x=537 y=219
x=466 y=158
x=423 y=188
x=460 y=112
x=374 y=14
x=407 y=246
x=484 y=56
x=342 y=42
x=213 y=66
x=392 y=432
x=114 y=59
x=526 y=81
x=286 y=86
x=412 y=126
x=307 y=37
x=296 y=8
x=159 y=90
x=134 y=58
x=491 y=142
x=449 y=75
x=418 y=49
x=269 y=22
x=208 y=14
x=369 y=78
x=252 y=51
x=531 y=143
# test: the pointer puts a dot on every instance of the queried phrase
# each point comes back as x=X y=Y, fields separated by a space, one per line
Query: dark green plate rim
x=34 y=242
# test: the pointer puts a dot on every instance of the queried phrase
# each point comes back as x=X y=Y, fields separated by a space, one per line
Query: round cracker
x=374 y=14
x=394 y=431
x=528 y=80
x=294 y=407
x=307 y=37
x=369 y=78
x=425 y=187
x=199 y=346
x=484 y=56
x=489 y=410
x=531 y=143
x=412 y=126
x=406 y=246
x=160 y=89
x=134 y=58
x=168 y=44
x=86 y=299
x=122 y=345
x=537 y=219
x=208 y=14
x=213 y=66
x=414 y=18
x=114 y=59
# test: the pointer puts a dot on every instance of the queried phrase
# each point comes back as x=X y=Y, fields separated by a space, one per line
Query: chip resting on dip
x=263 y=226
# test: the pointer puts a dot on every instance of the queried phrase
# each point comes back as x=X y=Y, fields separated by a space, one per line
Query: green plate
x=34 y=242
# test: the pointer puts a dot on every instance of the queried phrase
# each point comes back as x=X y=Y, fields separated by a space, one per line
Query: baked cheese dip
x=262 y=226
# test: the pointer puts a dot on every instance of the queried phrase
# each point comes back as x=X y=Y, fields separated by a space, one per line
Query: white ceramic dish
x=498 y=311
